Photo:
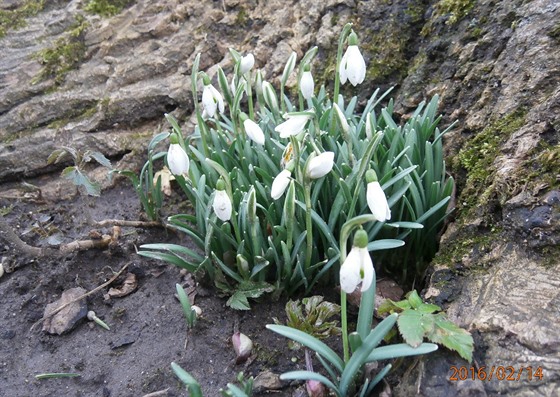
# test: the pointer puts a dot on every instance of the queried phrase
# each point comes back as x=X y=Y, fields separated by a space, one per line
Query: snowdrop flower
x=269 y=95
x=342 y=119
x=306 y=84
x=280 y=184
x=377 y=202
x=246 y=63
x=222 y=203
x=293 y=126
x=352 y=65
x=320 y=165
x=212 y=100
x=177 y=158
x=254 y=132
x=358 y=266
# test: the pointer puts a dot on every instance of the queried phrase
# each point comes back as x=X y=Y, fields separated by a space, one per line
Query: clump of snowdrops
x=279 y=189
x=272 y=182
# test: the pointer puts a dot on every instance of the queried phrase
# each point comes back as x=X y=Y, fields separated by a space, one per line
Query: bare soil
x=148 y=330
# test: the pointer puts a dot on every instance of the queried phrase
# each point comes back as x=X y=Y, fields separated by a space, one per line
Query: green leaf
x=384 y=244
x=410 y=327
x=452 y=336
x=188 y=380
x=74 y=175
x=309 y=375
x=312 y=343
x=238 y=301
x=414 y=299
x=400 y=350
x=428 y=308
x=101 y=159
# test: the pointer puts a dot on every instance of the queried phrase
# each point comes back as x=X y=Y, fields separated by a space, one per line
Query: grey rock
x=67 y=318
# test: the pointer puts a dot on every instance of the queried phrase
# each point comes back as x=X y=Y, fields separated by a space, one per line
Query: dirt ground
x=148 y=330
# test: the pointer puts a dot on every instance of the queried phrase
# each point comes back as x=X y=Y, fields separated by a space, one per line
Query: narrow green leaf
x=309 y=375
x=400 y=350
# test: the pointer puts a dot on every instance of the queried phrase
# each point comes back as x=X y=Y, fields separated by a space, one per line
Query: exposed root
x=122 y=222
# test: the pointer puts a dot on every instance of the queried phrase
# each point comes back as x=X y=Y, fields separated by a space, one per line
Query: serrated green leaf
x=101 y=159
x=410 y=328
x=428 y=308
x=74 y=175
x=414 y=299
x=452 y=336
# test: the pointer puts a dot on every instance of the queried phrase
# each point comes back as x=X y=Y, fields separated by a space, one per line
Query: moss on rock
x=16 y=18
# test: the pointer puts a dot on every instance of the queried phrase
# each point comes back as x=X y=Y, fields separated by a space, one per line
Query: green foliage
x=290 y=243
x=65 y=55
x=107 y=8
x=246 y=389
x=16 y=18
x=311 y=316
x=75 y=173
x=190 y=313
x=419 y=320
x=149 y=193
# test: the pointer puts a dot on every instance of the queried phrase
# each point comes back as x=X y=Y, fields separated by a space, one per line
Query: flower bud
x=243 y=347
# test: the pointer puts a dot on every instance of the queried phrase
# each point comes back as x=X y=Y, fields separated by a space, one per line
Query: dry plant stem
x=93 y=291
x=161 y=393
x=7 y=233
x=122 y=222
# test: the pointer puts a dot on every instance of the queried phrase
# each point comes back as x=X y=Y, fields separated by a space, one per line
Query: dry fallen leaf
x=166 y=178
x=128 y=286
x=67 y=318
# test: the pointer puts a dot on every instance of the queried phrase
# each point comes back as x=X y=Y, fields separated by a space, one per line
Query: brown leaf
x=128 y=286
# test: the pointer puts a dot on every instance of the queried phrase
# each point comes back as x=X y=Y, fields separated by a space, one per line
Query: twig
x=8 y=234
x=81 y=297
x=158 y=393
x=122 y=222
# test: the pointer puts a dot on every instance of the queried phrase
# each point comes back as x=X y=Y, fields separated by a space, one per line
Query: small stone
x=67 y=318
x=267 y=380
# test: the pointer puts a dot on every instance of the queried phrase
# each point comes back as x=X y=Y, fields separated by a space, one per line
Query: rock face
x=495 y=65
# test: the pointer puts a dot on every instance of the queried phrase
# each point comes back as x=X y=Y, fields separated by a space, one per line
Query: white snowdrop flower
x=307 y=85
x=212 y=100
x=342 y=119
x=280 y=184
x=177 y=160
x=293 y=126
x=254 y=132
x=320 y=165
x=352 y=65
x=358 y=266
x=222 y=203
x=376 y=199
x=246 y=63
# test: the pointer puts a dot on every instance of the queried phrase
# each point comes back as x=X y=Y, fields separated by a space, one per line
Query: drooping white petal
x=321 y=165
x=307 y=85
x=177 y=160
x=293 y=126
x=212 y=100
x=222 y=205
x=342 y=69
x=247 y=63
x=356 y=269
x=352 y=66
x=377 y=202
x=280 y=184
x=254 y=132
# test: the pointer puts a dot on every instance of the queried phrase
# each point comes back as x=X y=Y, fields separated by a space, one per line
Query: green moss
x=452 y=10
x=107 y=8
x=16 y=18
x=242 y=17
x=77 y=116
x=387 y=50
x=66 y=54
x=555 y=32
x=478 y=155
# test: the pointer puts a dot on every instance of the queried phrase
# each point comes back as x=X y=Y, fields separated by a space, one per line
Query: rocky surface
x=496 y=66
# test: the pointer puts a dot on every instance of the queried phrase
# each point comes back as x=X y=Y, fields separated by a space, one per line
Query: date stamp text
x=497 y=372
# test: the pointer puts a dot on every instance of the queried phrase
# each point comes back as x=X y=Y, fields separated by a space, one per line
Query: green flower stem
x=308 y=225
x=344 y=323
x=341 y=41
x=199 y=119
x=250 y=96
